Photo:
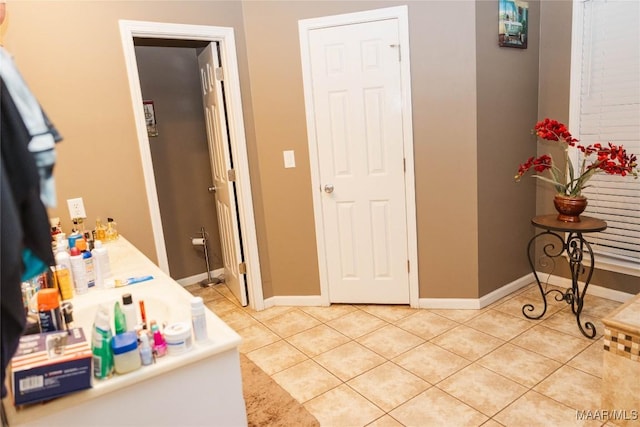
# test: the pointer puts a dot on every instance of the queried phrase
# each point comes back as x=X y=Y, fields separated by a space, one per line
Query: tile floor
x=373 y=365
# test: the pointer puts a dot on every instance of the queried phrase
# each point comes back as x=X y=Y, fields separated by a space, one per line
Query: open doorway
x=248 y=264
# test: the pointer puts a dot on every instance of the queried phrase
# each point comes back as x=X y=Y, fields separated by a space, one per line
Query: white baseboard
x=185 y=281
x=466 y=303
x=595 y=290
x=295 y=301
x=476 y=303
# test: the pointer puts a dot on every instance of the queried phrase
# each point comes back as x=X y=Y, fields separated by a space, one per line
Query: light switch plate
x=76 y=208
x=289 y=159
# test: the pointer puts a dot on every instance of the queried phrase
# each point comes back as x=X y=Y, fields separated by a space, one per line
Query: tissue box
x=50 y=365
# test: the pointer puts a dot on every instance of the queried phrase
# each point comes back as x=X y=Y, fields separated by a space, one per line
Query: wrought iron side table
x=578 y=250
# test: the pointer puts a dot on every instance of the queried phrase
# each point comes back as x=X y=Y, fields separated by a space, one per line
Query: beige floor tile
x=356 y=324
x=270 y=312
x=482 y=389
x=551 y=343
x=342 y=406
x=467 y=342
x=390 y=341
x=388 y=385
x=238 y=319
x=573 y=388
x=492 y=423
x=223 y=289
x=385 y=421
x=430 y=362
x=435 y=408
x=390 y=313
x=324 y=314
x=591 y=359
x=426 y=324
x=291 y=323
x=317 y=340
x=207 y=294
x=256 y=336
x=306 y=380
x=276 y=357
x=220 y=306
x=522 y=366
x=513 y=306
x=459 y=316
x=499 y=324
x=536 y=410
x=565 y=321
x=349 y=360
x=598 y=307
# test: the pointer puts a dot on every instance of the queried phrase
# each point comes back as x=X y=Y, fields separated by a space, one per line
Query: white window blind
x=609 y=110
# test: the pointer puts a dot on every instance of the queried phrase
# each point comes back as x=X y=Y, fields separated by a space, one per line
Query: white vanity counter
x=200 y=387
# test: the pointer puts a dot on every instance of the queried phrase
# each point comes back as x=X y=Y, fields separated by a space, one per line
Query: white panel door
x=357 y=101
x=221 y=166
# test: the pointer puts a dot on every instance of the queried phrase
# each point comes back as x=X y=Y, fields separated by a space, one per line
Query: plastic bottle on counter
x=101 y=264
x=119 y=319
x=145 y=349
x=129 y=310
x=101 y=344
x=88 y=262
x=49 y=310
x=78 y=269
x=198 y=319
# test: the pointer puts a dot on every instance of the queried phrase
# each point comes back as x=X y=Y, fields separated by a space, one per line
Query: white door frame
x=304 y=26
x=225 y=36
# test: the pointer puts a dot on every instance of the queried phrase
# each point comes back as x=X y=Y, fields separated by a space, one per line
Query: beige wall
x=73 y=63
x=507 y=111
x=169 y=76
x=71 y=55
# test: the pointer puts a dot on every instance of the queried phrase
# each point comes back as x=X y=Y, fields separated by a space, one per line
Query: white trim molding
x=595 y=290
x=224 y=36
x=304 y=27
x=477 y=303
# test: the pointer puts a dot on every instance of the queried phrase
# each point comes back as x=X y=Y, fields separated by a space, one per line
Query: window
x=605 y=106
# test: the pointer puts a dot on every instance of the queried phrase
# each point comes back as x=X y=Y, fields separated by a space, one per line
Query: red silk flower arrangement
x=611 y=159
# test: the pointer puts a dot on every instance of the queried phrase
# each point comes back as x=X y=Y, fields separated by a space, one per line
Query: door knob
x=328 y=188
x=211 y=189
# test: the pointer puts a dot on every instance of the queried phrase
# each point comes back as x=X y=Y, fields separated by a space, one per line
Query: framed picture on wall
x=150 y=118
x=513 y=22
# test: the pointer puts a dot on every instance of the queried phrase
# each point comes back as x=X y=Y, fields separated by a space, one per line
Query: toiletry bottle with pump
x=101 y=344
x=129 y=311
x=198 y=319
x=78 y=270
x=101 y=264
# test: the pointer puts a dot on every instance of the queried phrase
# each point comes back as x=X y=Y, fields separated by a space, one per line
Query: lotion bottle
x=198 y=319
x=129 y=310
x=78 y=269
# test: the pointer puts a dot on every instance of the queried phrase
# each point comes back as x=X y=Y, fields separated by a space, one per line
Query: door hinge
x=242 y=268
x=404 y=164
x=231 y=175
x=219 y=74
x=408 y=266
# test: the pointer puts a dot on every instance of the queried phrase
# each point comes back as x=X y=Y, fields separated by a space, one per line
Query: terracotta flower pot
x=569 y=208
